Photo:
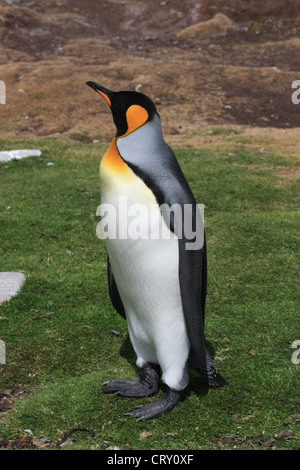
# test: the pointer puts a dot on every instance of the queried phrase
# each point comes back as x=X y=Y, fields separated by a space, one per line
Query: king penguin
x=157 y=283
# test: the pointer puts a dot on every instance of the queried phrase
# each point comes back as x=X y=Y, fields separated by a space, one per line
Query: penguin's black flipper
x=205 y=369
x=192 y=272
x=193 y=284
x=213 y=377
x=113 y=291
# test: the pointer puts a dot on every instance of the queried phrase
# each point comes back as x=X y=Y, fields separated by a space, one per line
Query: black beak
x=104 y=92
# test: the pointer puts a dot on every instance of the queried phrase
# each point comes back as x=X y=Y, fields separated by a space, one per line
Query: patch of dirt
x=289 y=173
x=236 y=69
x=8 y=398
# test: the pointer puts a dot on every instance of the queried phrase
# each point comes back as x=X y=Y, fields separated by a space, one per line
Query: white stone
x=7 y=156
x=10 y=285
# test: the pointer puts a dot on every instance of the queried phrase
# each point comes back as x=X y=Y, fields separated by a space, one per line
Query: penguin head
x=130 y=109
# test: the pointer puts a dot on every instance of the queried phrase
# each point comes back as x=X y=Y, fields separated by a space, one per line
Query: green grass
x=57 y=331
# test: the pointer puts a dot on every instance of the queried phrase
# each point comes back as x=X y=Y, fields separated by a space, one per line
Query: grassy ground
x=58 y=330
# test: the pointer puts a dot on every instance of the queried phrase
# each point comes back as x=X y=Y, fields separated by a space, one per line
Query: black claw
x=147 y=385
x=156 y=408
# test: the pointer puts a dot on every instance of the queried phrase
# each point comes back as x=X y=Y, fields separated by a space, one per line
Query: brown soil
x=205 y=63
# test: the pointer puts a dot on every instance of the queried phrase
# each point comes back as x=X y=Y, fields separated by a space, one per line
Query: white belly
x=146 y=273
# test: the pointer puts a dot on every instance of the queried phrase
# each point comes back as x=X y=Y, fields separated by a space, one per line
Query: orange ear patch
x=136 y=116
x=112 y=159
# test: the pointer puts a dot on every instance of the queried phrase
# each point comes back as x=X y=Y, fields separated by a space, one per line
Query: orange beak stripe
x=105 y=97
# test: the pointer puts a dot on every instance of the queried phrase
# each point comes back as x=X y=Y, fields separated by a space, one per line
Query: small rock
x=125 y=446
x=45 y=440
x=66 y=443
x=168 y=434
x=114 y=332
x=235 y=420
x=145 y=434
x=9 y=155
x=284 y=433
x=293 y=419
x=10 y=284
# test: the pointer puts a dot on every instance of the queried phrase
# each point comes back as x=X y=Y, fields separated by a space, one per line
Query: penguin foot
x=148 y=384
x=158 y=407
